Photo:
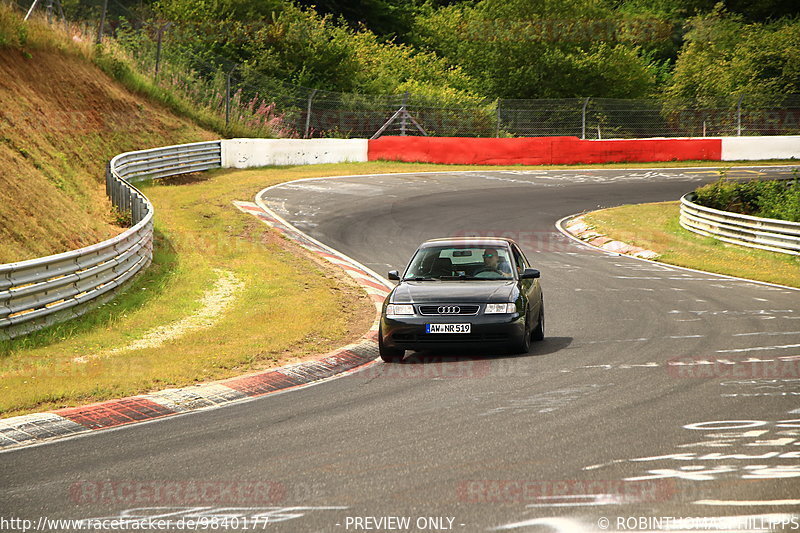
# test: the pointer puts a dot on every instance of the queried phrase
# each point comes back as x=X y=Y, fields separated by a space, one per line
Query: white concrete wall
x=246 y=153
x=749 y=148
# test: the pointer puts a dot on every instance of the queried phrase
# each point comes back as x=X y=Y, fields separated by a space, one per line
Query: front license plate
x=447 y=328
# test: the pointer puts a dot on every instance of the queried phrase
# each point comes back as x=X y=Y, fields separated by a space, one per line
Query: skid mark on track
x=759 y=348
x=545 y=402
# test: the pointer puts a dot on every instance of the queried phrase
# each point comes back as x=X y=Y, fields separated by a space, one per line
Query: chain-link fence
x=308 y=112
x=587 y=118
x=275 y=107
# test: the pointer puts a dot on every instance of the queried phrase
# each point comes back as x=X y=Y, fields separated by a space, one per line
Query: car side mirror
x=530 y=273
x=394 y=275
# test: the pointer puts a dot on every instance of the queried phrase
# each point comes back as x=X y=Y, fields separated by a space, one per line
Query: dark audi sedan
x=463 y=291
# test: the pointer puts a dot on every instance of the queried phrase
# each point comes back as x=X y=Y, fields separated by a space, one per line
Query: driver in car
x=492 y=262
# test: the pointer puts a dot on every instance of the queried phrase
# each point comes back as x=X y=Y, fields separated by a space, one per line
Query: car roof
x=455 y=241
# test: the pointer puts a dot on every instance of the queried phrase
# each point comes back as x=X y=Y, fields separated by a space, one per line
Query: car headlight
x=399 y=309
x=500 y=308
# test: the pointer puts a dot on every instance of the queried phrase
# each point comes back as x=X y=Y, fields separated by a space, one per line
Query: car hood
x=454 y=291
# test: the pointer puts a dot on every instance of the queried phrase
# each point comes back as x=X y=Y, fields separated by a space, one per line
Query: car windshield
x=468 y=261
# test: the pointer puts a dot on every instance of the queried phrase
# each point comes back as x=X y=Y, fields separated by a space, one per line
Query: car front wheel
x=389 y=355
x=538 y=332
x=524 y=344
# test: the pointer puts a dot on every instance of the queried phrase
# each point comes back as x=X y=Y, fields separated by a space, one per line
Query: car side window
x=522 y=264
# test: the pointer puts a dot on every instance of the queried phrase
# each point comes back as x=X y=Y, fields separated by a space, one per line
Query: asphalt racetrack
x=659 y=394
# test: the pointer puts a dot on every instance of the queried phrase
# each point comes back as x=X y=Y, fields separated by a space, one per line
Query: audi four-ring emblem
x=448 y=310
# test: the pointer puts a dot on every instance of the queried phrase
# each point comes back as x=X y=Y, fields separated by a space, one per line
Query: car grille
x=448 y=310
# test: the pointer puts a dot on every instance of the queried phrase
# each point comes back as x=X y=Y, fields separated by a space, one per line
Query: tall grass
x=179 y=88
x=131 y=57
x=186 y=94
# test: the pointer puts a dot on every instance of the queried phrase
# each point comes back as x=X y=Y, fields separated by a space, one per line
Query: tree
x=724 y=55
x=540 y=48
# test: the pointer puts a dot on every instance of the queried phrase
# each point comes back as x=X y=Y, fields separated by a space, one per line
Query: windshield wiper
x=420 y=278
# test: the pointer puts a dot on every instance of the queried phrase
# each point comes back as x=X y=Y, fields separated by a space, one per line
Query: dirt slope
x=61 y=119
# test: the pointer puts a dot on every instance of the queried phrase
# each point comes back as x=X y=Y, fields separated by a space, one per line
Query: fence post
x=497 y=125
x=228 y=97
x=33 y=6
x=403 y=117
x=583 y=119
x=161 y=30
x=739 y=116
x=102 y=22
x=308 y=113
x=158 y=51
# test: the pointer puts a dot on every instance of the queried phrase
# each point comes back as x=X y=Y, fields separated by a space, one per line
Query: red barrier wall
x=540 y=150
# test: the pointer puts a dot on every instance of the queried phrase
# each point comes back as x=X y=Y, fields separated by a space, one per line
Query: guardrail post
x=108 y=178
x=134 y=208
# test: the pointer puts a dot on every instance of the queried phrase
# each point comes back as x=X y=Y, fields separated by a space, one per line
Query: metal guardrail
x=765 y=233
x=43 y=291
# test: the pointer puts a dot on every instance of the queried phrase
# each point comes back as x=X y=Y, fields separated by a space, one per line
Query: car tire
x=524 y=344
x=389 y=355
x=538 y=332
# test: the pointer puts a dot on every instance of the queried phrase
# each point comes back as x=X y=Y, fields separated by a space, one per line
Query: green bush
x=766 y=199
x=781 y=202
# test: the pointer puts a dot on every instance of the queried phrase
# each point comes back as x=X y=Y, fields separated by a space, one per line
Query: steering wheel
x=482 y=273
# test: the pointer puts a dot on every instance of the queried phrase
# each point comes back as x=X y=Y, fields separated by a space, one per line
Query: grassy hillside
x=61 y=119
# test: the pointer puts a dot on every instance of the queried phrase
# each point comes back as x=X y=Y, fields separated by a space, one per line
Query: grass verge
x=655 y=227
x=290 y=307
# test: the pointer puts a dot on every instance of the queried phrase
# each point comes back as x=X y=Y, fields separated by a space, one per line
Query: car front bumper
x=408 y=333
